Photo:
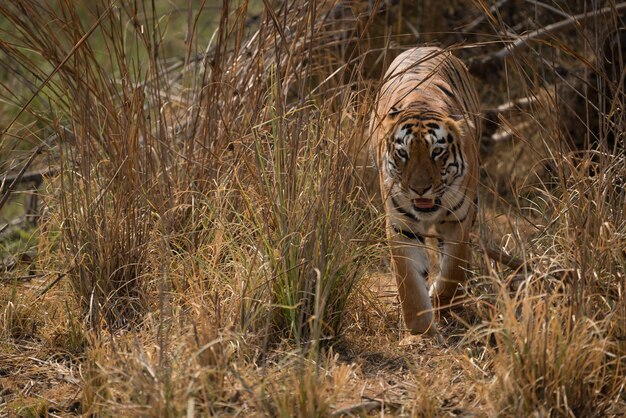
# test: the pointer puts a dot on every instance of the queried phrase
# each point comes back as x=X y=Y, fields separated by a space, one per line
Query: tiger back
x=424 y=130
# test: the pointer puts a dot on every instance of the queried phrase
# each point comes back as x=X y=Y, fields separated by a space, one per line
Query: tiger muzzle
x=426 y=205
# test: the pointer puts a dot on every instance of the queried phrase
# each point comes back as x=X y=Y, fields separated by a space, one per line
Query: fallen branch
x=512 y=105
x=486 y=65
x=36 y=177
x=509 y=132
x=480 y=19
x=11 y=262
x=548 y=7
x=9 y=183
x=360 y=409
x=491 y=125
x=13 y=224
x=579 y=19
x=51 y=285
x=498 y=255
x=18 y=176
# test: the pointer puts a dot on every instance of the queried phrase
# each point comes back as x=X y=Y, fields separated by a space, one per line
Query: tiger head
x=423 y=164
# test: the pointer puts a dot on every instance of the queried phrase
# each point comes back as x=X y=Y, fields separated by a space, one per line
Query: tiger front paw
x=422 y=324
x=444 y=293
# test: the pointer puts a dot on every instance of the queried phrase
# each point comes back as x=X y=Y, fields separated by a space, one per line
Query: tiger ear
x=393 y=112
x=454 y=127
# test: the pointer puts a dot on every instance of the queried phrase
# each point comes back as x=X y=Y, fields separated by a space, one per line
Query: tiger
x=424 y=131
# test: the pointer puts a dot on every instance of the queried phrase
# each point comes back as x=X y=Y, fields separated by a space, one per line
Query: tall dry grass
x=217 y=186
x=558 y=348
x=136 y=148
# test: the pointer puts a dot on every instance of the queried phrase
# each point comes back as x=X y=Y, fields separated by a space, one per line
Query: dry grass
x=211 y=239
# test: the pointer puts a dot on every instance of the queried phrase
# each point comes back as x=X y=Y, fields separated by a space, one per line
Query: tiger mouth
x=426 y=205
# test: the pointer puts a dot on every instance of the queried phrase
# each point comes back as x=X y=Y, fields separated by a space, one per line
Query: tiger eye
x=402 y=154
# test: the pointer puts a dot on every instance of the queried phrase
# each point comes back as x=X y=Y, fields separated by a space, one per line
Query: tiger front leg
x=454 y=247
x=410 y=266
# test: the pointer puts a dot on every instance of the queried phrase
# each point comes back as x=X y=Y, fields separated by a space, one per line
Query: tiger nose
x=420 y=190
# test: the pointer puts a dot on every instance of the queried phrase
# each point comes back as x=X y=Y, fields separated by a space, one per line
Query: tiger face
x=424 y=165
